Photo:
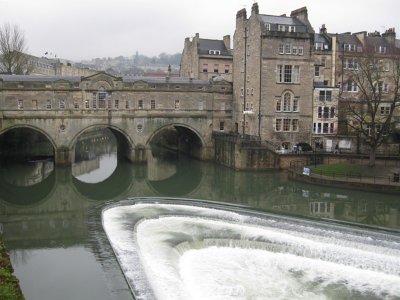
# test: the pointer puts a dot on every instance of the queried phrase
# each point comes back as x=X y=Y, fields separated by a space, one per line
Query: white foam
x=193 y=255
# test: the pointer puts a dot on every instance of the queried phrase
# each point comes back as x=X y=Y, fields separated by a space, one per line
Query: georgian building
x=273 y=77
x=206 y=59
x=292 y=85
x=368 y=72
x=326 y=92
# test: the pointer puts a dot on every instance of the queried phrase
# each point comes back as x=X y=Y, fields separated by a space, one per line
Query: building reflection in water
x=95 y=156
x=61 y=212
x=26 y=173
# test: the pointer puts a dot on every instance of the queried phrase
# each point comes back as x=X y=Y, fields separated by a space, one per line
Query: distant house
x=206 y=59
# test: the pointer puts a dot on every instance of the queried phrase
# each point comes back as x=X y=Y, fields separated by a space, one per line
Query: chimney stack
x=241 y=14
x=227 y=41
x=254 y=8
x=390 y=36
x=322 y=30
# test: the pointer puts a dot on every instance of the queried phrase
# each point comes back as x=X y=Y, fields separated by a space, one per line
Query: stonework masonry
x=280 y=84
x=62 y=108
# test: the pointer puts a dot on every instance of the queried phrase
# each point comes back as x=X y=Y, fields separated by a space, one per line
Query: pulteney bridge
x=136 y=109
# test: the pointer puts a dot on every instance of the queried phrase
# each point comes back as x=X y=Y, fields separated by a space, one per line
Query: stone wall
x=62 y=108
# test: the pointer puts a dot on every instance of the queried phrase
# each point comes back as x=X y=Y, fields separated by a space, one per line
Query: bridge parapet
x=64 y=107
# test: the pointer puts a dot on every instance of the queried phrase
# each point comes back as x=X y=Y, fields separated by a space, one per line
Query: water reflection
x=166 y=177
x=26 y=183
x=26 y=173
x=270 y=191
x=95 y=156
x=61 y=212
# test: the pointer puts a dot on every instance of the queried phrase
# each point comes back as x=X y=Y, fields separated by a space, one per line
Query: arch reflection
x=116 y=184
x=27 y=183
x=95 y=156
x=172 y=177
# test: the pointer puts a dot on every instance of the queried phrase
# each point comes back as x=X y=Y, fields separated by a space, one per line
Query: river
x=51 y=223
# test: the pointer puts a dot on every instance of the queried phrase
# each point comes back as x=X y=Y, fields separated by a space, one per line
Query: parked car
x=303 y=147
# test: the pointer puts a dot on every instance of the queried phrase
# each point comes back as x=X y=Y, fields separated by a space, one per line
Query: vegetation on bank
x=351 y=170
x=9 y=284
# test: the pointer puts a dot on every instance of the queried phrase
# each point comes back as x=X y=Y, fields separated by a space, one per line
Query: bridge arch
x=125 y=143
x=176 y=124
x=43 y=132
x=189 y=139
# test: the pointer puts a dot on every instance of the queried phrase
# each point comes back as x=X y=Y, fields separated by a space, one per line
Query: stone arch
x=112 y=127
x=126 y=146
x=151 y=136
x=46 y=134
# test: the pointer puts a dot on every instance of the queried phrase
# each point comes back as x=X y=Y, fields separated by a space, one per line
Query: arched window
x=287 y=100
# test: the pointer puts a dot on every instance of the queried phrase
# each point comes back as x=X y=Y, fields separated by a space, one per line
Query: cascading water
x=196 y=250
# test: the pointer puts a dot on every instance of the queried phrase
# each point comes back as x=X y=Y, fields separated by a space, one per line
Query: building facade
x=206 y=59
x=55 y=67
x=273 y=77
x=326 y=92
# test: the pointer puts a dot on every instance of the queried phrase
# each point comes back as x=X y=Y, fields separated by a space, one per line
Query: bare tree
x=13 y=57
x=370 y=95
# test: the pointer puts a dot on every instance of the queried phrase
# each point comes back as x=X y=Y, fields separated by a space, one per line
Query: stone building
x=57 y=67
x=273 y=77
x=367 y=71
x=326 y=92
x=136 y=108
x=206 y=59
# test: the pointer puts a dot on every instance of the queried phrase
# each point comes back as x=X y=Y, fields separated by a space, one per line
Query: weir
x=186 y=249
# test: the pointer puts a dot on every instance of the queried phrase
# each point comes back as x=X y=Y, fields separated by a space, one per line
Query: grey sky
x=84 y=29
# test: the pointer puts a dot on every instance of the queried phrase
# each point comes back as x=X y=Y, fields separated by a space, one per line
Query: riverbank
x=9 y=284
x=361 y=177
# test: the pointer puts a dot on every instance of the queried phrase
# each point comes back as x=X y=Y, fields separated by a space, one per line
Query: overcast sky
x=84 y=29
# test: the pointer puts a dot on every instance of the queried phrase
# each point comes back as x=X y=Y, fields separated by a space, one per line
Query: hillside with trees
x=135 y=65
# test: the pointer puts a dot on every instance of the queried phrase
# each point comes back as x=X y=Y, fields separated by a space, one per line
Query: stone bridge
x=136 y=109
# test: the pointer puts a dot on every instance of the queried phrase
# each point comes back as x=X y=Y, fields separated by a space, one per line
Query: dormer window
x=349 y=47
x=268 y=26
x=381 y=49
x=319 y=46
x=286 y=28
x=215 y=52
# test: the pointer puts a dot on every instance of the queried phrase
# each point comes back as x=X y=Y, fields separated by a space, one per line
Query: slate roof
x=376 y=41
x=348 y=38
x=282 y=20
x=43 y=78
x=320 y=38
x=173 y=80
x=77 y=79
x=205 y=45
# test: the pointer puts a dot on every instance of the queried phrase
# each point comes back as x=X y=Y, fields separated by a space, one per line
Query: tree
x=370 y=94
x=13 y=57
